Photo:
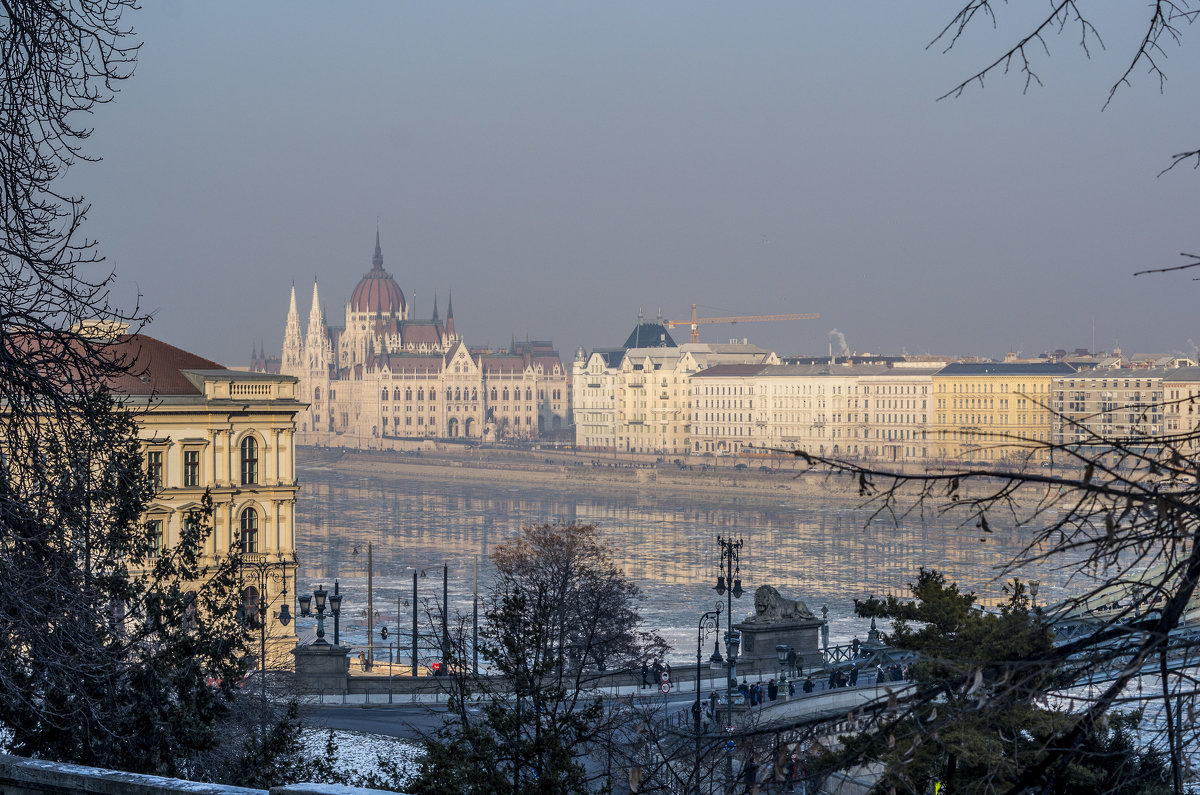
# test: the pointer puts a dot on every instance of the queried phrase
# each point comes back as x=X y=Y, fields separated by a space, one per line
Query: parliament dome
x=377 y=292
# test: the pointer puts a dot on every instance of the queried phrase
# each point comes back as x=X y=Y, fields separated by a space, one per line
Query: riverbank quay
x=767 y=476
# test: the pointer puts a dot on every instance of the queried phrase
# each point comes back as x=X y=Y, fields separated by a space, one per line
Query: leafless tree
x=559 y=619
x=113 y=650
x=1166 y=23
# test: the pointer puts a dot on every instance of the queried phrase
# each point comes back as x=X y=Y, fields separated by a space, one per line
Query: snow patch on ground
x=358 y=753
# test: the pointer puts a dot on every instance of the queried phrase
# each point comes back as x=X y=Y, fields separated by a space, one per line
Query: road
x=406 y=721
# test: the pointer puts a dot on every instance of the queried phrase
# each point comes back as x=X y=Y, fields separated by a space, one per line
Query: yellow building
x=205 y=427
x=995 y=412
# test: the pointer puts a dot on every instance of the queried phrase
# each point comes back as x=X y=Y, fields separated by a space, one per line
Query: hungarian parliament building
x=383 y=379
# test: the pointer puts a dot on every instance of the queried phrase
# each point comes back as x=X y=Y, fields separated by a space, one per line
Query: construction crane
x=695 y=322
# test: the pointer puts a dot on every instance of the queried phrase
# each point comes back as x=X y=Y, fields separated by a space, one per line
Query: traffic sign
x=665 y=687
x=664 y=677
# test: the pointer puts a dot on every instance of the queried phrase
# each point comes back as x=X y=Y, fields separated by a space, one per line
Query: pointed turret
x=435 y=312
x=292 y=339
x=316 y=339
x=450 y=317
x=377 y=260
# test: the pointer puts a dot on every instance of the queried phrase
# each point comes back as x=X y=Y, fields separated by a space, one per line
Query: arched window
x=408 y=393
x=506 y=393
x=396 y=393
x=384 y=395
x=249 y=461
x=528 y=393
x=447 y=394
x=317 y=395
x=457 y=394
x=249 y=531
x=474 y=393
x=421 y=393
x=493 y=393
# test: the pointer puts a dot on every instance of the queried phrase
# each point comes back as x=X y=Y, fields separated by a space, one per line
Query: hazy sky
x=559 y=166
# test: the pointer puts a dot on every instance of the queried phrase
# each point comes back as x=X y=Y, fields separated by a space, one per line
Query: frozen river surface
x=819 y=551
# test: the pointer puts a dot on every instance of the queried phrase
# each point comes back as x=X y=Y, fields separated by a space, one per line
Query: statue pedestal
x=759 y=640
x=322 y=668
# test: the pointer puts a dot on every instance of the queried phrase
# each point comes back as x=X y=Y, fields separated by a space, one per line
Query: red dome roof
x=377 y=293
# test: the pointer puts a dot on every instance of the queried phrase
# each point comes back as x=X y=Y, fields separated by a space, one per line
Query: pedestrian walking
x=750 y=775
x=657 y=672
x=791 y=661
x=772 y=690
x=853 y=675
x=667 y=670
x=792 y=773
x=791 y=687
x=645 y=675
x=808 y=684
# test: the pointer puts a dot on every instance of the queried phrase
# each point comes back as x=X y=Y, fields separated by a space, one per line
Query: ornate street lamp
x=729 y=585
x=710 y=624
x=321 y=597
x=781 y=652
x=266 y=571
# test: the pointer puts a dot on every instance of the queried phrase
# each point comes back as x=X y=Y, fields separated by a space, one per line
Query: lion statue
x=771 y=606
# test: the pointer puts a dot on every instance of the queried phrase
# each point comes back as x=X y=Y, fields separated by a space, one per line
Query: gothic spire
x=435 y=314
x=377 y=260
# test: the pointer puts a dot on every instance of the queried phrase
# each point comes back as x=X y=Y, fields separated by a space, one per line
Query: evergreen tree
x=976 y=717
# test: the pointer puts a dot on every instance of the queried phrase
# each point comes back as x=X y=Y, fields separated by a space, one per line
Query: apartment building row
x=677 y=400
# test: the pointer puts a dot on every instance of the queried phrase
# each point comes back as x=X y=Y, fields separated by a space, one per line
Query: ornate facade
x=385 y=379
x=639 y=398
x=203 y=428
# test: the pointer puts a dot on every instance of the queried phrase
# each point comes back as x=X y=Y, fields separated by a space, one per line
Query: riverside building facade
x=640 y=398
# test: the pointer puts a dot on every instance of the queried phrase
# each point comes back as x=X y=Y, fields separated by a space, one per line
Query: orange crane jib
x=696 y=322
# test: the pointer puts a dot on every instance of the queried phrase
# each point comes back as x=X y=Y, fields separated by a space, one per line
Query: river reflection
x=818 y=552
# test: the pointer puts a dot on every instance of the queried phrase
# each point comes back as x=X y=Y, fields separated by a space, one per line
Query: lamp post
x=781 y=652
x=710 y=624
x=266 y=571
x=321 y=597
x=1034 y=585
x=729 y=584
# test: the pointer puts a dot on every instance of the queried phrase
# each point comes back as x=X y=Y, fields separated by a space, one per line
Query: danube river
x=816 y=549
